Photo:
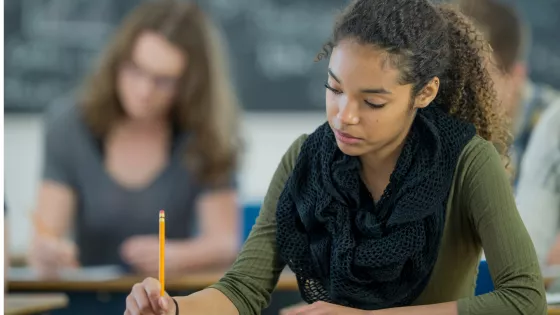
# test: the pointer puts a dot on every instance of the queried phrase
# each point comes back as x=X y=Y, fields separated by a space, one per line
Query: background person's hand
x=145 y=299
x=142 y=254
x=48 y=255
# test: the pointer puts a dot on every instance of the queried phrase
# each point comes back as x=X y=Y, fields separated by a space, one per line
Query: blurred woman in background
x=155 y=128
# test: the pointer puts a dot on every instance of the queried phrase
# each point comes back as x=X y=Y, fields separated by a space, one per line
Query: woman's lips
x=346 y=138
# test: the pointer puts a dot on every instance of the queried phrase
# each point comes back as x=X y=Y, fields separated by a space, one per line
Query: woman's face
x=367 y=108
x=147 y=82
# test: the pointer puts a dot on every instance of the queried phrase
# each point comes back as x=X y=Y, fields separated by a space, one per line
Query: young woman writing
x=385 y=208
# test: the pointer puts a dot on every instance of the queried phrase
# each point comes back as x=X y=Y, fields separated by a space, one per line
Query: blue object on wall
x=250 y=214
x=484 y=283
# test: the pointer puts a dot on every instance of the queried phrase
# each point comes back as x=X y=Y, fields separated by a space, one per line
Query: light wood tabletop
x=24 y=304
x=195 y=281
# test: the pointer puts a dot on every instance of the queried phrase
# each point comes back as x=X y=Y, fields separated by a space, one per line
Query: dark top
x=107 y=213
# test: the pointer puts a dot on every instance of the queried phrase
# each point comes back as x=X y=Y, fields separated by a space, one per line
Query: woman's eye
x=374 y=105
x=335 y=91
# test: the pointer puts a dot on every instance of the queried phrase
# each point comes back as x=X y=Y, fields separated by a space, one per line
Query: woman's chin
x=350 y=149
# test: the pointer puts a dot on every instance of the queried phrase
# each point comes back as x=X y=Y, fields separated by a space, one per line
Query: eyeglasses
x=162 y=83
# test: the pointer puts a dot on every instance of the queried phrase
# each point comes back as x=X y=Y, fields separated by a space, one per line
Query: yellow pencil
x=162 y=251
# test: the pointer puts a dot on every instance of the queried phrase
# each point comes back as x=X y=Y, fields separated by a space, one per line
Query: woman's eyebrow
x=369 y=90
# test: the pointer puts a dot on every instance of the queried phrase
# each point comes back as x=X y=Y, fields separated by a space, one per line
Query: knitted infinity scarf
x=348 y=251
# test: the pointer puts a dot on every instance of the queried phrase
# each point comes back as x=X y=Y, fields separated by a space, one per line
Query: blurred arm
x=513 y=264
x=6 y=251
x=55 y=209
x=218 y=242
x=538 y=193
x=56 y=200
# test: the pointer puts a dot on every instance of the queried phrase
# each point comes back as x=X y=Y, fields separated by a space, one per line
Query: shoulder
x=290 y=157
x=542 y=156
x=477 y=152
x=549 y=95
x=63 y=119
x=545 y=138
x=538 y=97
x=549 y=121
x=61 y=112
x=65 y=131
x=479 y=163
x=282 y=173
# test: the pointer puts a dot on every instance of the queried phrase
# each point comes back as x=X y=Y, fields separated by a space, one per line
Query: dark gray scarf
x=348 y=251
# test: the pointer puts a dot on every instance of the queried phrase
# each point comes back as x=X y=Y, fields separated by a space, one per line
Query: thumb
x=69 y=254
x=163 y=303
x=152 y=288
x=166 y=304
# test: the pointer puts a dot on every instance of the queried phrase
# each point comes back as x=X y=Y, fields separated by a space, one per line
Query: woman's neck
x=378 y=165
x=143 y=128
x=145 y=124
x=384 y=159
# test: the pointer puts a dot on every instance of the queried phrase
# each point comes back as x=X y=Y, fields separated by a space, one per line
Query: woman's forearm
x=206 y=302
x=55 y=210
x=449 y=308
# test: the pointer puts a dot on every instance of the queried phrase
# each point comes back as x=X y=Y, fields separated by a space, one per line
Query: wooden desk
x=196 y=281
x=22 y=304
x=107 y=297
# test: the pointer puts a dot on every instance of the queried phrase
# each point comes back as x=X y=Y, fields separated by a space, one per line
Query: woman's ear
x=427 y=94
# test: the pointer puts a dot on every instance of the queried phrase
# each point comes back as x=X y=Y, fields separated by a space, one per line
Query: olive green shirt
x=481 y=213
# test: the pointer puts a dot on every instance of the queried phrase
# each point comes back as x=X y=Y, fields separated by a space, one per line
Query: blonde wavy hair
x=206 y=105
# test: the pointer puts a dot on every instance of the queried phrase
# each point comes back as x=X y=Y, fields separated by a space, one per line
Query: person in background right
x=6 y=249
x=538 y=195
x=522 y=100
x=536 y=146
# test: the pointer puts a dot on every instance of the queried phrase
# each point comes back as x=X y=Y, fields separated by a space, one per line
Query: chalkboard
x=50 y=45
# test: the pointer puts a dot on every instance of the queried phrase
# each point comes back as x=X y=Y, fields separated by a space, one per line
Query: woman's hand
x=47 y=255
x=145 y=299
x=323 y=308
x=142 y=254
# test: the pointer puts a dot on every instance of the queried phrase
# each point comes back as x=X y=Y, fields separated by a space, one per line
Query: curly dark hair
x=426 y=40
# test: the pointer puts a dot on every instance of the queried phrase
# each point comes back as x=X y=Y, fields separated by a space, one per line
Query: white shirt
x=538 y=190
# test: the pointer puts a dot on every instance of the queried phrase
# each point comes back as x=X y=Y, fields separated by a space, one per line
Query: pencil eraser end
x=161 y=212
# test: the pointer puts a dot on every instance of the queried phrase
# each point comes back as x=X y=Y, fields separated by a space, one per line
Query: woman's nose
x=348 y=111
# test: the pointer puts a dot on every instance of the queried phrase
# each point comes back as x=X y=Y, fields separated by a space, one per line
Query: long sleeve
x=488 y=198
x=254 y=275
x=538 y=191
